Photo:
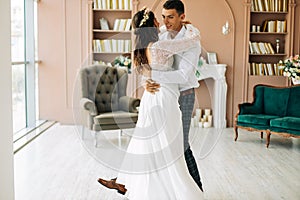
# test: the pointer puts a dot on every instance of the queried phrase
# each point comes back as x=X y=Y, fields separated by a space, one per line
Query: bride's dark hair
x=145 y=32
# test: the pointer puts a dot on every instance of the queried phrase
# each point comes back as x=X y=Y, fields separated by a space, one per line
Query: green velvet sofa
x=274 y=110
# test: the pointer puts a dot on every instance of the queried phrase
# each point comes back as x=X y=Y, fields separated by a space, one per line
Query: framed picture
x=212 y=58
x=103 y=24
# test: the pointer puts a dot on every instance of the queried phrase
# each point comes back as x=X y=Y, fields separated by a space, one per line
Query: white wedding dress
x=154 y=167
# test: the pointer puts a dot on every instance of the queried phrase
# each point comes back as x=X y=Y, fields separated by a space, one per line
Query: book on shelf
x=114 y=45
x=254 y=4
x=264 y=26
x=284 y=5
x=104 y=6
x=97 y=5
x=108 y=4
x=274 y=26
x=127 y=5
x=270 y=48
x=269 y=5
x=264 y=69
x=271 y=26
x=103 y=24
x=270 y=69
x=122 y=25
x=261 y=6
x=120 y=4
x=261 y=48
x=116 y=25
x=255 y=47
x=276 y=6
x=111 y=46
x=251 y=48
x=113 y=4
x=128 y=25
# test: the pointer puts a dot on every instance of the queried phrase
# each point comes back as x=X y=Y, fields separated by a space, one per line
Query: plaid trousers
x=186 y=103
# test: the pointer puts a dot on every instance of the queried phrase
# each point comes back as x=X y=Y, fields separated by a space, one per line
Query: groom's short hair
x=174 y=4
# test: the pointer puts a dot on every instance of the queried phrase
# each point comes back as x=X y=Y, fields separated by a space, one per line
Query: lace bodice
x=162 y=51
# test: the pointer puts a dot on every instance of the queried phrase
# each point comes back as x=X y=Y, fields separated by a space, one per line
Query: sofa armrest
x=88 y=105
x=129 y=104
x=249 y=108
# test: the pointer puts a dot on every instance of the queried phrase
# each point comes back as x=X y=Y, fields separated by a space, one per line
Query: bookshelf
x=269 y=30
x=113 y=11
x=111 y=35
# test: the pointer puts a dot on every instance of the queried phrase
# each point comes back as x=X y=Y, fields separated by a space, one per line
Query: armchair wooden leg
x=261 y=135
x=268 y=138
x=236 y=132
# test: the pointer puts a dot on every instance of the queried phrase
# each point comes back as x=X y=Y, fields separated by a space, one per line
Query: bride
x=154 y=165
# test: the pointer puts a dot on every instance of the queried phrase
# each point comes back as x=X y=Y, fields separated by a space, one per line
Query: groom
x=185 y=64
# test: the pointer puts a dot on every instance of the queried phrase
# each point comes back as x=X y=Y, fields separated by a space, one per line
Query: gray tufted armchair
x=104 y=102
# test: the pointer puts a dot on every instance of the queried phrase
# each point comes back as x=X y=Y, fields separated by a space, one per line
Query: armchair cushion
x=117 y=117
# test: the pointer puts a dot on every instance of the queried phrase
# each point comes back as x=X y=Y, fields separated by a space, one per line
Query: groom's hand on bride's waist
x=152 y=86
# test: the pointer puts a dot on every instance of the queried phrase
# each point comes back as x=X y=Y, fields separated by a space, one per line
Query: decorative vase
x=296 y=81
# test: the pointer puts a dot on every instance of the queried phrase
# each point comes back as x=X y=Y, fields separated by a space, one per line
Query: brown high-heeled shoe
x=111 y=184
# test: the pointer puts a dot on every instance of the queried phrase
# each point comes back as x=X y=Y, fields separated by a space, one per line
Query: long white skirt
x=154 y=166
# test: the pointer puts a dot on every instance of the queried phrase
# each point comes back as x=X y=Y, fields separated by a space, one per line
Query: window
x=24 y=65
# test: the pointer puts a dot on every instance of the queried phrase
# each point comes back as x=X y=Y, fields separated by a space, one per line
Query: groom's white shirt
x=184 y=65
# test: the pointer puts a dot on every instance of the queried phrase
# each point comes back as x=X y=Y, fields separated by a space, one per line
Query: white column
x=6 y=133
x=218 y=89
x=220 y=95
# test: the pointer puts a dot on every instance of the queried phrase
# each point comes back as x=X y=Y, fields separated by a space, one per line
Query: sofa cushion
x=293 y=108
x=254 y=126
x=259 y=119
x=276 y=101
x=292 y=123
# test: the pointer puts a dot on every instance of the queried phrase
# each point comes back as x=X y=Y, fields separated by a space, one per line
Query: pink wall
x=64 y=42
x=62 y=50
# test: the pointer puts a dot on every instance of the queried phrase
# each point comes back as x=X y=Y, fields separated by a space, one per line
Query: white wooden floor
x=57 y=166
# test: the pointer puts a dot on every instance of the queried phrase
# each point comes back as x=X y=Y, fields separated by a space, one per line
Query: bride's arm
x=170 y=47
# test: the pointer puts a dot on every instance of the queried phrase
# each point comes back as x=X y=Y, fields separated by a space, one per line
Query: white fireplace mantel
x=216 y=84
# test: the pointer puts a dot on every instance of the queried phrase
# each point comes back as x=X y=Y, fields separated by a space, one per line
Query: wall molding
x=233 y=30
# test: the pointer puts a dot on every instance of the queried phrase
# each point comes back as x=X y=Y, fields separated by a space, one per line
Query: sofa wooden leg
x=268 y=138
x=236 y=132
x=261 y=135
